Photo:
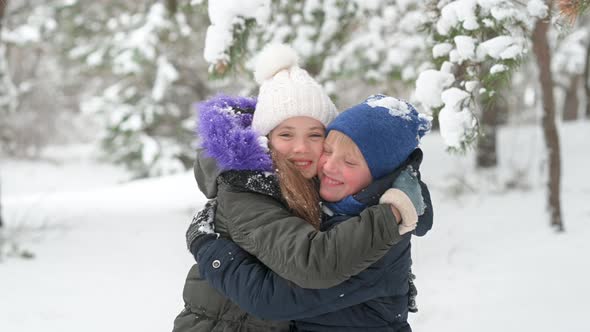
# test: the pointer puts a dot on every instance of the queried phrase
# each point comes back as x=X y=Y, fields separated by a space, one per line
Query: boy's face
x=300 y=139
x=342 y=169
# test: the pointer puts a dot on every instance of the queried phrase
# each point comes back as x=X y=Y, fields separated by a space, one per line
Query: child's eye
x=316 y=137
x=350 y=163
x=286 y=135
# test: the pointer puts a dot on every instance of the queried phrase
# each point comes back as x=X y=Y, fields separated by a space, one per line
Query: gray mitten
x=407 y=181
x=202 y=224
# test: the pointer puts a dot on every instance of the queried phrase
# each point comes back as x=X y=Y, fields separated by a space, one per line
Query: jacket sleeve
x=295 y=250
x=256 y=289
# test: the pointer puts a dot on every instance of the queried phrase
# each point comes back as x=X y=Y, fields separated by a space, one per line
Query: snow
x=461 y=11
x=224 y=14
x=465 y=48
x=113 y=253
x=22 y=35
x=454 y=119
x=501 y=47
x=471 y=85
x=430 y=85
x=217 y=41
x=537 y=8
x=498 y=68
x=395 y=106
x=442 y=49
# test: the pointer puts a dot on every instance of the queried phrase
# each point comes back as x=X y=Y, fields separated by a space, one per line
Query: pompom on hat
x=385 y=129
x=287 y=91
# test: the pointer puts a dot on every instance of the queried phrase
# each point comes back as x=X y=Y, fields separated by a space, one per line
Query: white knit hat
x=286 y=91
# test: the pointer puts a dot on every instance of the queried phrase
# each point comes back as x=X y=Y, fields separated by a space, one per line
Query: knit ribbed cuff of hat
x=402 y=202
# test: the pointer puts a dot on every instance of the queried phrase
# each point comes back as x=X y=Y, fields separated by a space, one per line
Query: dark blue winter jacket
x=374 y=300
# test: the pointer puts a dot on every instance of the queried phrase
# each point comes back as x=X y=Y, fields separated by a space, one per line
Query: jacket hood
x=227 y=141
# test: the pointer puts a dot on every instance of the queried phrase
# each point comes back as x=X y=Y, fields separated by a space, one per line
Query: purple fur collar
x=224 y=126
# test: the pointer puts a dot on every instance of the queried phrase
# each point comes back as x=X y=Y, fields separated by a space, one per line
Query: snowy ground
x=110 y=255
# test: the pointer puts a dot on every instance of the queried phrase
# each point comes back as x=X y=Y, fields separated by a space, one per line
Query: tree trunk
x=487 y=156
x=3 y=5
x=1 y=221
x=541 y=50
x=171 y=5
x=587 y=81
x=571 y=102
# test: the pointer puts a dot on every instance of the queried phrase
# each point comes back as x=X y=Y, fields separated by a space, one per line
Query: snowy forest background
x=97 y=140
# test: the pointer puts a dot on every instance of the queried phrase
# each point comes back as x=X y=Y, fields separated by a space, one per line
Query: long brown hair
x=301 y=194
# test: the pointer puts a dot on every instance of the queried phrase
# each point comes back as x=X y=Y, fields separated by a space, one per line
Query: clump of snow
x=465 y=48
x=395 y=106
x=22 y=35
x=454 y=119
x=471 y=85
x=462 y=11
x=537 y=8
x=224 y=14
x=218 y=39
x=430 y=85
x=263 y=142
x=498 y=68
x=501 y=48
x=447 y=67
x=442 y=49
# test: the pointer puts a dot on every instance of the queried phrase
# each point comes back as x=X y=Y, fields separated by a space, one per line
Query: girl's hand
x=397 y=214
x=398 y=199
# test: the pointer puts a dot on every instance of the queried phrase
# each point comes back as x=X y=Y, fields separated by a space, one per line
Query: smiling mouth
x=301 y=163
x=330 y=181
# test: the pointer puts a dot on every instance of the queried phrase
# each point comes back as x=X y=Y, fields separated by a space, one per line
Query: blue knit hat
x=385 y=129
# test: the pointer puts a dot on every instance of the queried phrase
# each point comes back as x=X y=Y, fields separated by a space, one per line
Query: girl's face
x=343 y=170
x=300 y=140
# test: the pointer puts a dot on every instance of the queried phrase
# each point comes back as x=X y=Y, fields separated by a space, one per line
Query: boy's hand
x=401 y=201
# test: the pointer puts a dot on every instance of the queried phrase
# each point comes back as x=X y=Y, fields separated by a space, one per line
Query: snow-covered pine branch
x=477 y=45
x=377 y=40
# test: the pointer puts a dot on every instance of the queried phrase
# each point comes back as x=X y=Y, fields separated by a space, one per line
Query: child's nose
x=329 y=164
x=299 y=146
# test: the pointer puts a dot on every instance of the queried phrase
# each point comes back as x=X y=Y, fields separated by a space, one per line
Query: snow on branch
x=477 y=44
